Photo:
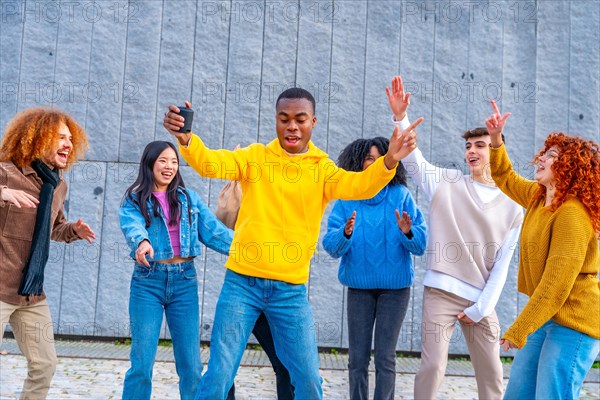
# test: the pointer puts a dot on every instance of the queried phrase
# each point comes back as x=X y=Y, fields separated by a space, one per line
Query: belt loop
x=251 y=281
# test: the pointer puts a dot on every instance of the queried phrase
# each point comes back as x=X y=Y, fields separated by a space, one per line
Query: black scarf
x=32 y=282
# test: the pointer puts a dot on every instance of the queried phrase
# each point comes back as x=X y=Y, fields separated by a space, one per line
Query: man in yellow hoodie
x=287 y=185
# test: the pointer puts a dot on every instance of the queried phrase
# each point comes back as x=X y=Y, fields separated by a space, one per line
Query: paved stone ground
x=94 y=370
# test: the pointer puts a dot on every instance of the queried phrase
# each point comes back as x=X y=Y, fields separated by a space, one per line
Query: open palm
x=399 y=100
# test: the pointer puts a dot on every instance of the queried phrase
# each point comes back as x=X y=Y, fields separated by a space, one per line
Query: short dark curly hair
x=353 y=157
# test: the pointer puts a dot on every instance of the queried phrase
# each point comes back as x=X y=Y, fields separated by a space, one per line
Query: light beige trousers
x=440 y=310
x=34 y=333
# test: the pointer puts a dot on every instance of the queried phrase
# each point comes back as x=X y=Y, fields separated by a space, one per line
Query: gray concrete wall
x=115 y=65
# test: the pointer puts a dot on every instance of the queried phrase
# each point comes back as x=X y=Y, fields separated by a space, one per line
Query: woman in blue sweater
x=375 y=239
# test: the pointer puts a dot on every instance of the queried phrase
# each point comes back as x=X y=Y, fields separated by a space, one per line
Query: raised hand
x=173 y=121
x=401 y=144
x=349 y=228
x=404 y=221
x=84 y=231
x=399 y=100
x=18 y=198
x=495 y=125
x=140 y=254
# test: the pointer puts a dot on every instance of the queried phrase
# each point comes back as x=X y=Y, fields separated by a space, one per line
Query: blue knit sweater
x=377 y=255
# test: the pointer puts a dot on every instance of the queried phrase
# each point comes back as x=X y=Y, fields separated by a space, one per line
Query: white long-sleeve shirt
x=427 y=176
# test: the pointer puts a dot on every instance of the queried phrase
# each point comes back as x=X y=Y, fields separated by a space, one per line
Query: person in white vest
x=474 y=229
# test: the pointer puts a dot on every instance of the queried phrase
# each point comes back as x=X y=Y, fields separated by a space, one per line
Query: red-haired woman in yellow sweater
x=558 y=331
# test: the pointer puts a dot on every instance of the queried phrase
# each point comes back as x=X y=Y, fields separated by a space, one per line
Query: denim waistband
x=156 y=266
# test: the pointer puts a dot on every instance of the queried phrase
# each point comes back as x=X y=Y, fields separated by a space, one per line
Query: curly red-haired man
x=38 y=145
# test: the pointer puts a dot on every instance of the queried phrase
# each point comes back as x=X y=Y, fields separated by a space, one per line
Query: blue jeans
x=384 y=310
x=286 y=307
x=262 y=332
x=171 y=288
x=552 y=364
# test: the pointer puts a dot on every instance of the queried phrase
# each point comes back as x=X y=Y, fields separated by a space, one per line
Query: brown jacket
x=16 y=229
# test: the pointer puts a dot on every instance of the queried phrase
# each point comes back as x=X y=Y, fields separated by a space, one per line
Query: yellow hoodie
x=284 y=198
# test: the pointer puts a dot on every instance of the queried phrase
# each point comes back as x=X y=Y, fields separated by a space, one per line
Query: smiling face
x=543 y=173
x=477 y=154
x=371 y=157
x=58 y=155
x=164 y=170
x=295 y=122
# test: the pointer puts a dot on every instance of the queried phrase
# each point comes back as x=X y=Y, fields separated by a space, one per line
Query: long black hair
x=354 y=155
x=144 y=184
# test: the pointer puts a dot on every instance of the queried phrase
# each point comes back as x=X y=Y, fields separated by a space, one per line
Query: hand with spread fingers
x=404 y=221
x=399 y=100
x=84 y=231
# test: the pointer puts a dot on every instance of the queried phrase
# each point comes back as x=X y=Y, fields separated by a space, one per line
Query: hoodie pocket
x=270 y=247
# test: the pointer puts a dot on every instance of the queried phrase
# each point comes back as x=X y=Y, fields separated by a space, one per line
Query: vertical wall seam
x=55 y=57
x=468 y=71
x=162 y=19
x=68 y=198
x=101 y=236
x=297 y=47
x=203 y=260
x=330 y=70
x=226 y=80
x=123 y=85
x=21 y=57
x=342 y=322
x=569 y=80
x=433 y=82
x=400 y=39
x=194 y=54
x=87 y=103
x=502 y=68
x=103 y=199
x=262 y=58
x=536 y=34
x=364 y=83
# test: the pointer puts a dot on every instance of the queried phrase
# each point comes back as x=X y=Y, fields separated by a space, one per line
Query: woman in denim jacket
x=164 y=224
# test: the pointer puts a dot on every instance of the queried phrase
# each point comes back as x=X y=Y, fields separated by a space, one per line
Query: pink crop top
x=173 y=229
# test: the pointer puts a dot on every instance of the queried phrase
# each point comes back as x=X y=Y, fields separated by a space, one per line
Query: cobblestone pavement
x=96 y=371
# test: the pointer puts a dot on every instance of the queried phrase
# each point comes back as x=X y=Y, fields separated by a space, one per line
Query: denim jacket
x=204 y=228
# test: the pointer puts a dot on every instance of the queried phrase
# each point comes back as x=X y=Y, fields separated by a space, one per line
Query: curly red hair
x=34 y=131
x=576 y=172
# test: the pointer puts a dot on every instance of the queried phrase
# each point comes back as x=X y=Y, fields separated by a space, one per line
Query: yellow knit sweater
x=559 y=259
